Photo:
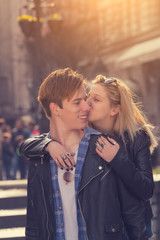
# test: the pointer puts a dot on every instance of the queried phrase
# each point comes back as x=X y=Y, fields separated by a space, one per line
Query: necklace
x=68 y=177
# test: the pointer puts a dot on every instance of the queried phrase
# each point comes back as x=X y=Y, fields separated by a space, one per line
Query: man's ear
x=54 y=108
x=115 y=110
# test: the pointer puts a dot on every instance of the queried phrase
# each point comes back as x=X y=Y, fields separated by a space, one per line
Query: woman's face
x=101 y=110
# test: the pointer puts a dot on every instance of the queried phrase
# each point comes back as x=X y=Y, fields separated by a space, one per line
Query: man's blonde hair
x=130 y=118
x=59 y=85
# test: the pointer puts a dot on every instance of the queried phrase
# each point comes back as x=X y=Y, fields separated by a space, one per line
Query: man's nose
x=88 y=101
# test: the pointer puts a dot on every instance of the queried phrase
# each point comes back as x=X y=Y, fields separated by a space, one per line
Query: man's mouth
x=84 y=117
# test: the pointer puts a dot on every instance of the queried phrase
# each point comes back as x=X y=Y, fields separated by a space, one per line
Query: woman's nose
x=89 y=102
x=87 y=106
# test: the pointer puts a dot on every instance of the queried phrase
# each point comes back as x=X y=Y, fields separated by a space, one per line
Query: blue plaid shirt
x=82 y=150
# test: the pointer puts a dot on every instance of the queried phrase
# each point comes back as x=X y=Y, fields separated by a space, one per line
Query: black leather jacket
x=134 y=167
x=104 y=200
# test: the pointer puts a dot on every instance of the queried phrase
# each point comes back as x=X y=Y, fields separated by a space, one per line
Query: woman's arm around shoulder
x=35 y=146
x=40 y=145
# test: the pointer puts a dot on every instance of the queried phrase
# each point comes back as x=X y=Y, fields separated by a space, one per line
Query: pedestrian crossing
x=13 y=198
x=12 y=233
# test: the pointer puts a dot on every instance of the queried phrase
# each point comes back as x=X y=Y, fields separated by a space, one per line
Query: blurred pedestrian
x=7 y=154
x=21 y=160
x=2 y=126
x=30 y=127
x=18 y=133
x=33 y=129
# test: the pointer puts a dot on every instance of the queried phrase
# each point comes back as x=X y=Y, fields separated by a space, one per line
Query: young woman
x=114 y=112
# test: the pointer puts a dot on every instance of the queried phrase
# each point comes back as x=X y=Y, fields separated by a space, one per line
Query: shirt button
x=60 y=208
x=35 y=164
x=113 y=229
x=57 y=192
x=55 y=175
x=100 y=167
x=62 y=224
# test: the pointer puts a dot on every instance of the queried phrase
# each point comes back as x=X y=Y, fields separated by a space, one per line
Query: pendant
x=68 y=177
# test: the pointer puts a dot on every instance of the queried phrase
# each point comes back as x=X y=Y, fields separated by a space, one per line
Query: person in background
x=33 y=129
x=2 y=126
x=84 y=200
x=30 y=127
x=21 y=131
x=7 y=154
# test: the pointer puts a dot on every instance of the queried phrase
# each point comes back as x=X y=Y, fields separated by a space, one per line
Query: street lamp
x=38 y=12
x=31 y=23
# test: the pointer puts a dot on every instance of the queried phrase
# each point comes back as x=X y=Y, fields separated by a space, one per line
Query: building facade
x=118 y=38
x=15 y=77
x=132 y=51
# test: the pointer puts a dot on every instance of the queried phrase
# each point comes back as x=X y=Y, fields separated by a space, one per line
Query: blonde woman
x=115 y=114
x=114 y=111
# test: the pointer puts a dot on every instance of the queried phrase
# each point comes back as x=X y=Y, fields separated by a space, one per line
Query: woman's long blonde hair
x=130 y=118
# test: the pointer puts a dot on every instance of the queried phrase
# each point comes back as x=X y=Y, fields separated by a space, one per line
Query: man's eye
x=77 y=103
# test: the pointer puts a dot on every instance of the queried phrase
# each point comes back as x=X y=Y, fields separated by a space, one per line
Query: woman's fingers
x=65 y=161
x=107 y=148
x=62 y=158
x=100 y=143
x=99 y=152
x=59 y=164
x=112 y=141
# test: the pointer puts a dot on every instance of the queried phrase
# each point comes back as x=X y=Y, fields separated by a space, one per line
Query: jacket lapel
x=93 y=164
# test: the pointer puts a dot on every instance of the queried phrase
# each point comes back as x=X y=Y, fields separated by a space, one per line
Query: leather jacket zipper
x=80 y=203
x=46 y=210
x=42 y=159
x=105 y=174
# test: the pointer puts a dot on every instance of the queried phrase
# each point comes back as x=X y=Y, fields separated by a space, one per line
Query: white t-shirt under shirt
x=69 y=204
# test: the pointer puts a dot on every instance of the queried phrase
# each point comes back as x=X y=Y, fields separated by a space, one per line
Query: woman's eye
x=96 y=99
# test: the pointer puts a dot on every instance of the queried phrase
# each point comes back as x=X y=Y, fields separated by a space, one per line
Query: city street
x=48 y=50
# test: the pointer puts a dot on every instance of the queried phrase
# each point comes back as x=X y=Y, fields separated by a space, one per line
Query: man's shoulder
x=42 y=135
x=91 y=131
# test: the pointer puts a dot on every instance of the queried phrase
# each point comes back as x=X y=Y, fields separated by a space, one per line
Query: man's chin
x=89 y=119
x=85 y=124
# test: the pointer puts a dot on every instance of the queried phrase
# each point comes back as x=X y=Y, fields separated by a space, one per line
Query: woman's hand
x=60 y=155
x=107 y=149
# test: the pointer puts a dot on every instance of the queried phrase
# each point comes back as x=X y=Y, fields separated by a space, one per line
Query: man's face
x=74 y=114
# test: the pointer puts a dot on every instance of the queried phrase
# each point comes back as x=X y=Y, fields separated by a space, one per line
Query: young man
x=80 y=202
